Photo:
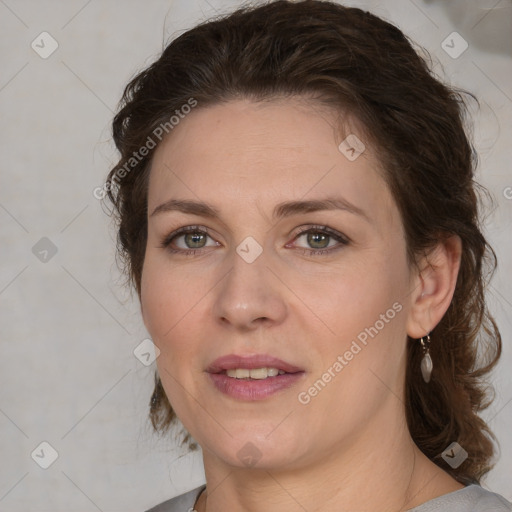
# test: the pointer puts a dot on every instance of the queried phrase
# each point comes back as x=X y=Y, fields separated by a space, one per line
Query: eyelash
x=302 y=231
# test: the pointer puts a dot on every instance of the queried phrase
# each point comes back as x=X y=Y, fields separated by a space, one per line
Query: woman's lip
x=257 y=389
x=232 y=361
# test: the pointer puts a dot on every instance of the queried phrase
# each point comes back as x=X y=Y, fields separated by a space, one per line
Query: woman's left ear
x=433 y=286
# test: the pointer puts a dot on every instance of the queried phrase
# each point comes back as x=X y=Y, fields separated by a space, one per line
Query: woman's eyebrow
x=285 y=209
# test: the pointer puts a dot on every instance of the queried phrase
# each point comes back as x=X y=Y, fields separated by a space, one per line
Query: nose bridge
x=249 y=290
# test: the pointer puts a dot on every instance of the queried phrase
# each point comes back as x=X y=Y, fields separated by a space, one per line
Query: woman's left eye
x=194 y=237
x=318 y=236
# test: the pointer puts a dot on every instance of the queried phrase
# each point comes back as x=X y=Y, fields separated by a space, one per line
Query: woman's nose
x=250 y=294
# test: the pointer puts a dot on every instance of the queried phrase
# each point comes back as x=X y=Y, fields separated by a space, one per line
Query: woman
x=297 y=214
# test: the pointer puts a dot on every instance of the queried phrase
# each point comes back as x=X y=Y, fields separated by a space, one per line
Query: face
x=324 y=290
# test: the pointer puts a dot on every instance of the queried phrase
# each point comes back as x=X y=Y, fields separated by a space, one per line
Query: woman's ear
x=433 y=286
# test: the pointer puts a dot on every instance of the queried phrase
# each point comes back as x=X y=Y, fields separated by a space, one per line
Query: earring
x=426 y=362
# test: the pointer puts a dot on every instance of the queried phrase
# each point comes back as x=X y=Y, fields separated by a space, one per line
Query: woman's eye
x=320 y=240
x=187 y=240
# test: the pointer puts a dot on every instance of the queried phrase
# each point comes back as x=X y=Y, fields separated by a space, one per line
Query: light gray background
x=68 y=375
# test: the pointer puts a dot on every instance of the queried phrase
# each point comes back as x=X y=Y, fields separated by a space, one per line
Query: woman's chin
x=254 y=453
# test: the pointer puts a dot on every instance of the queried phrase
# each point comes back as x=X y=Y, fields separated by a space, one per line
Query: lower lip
x=257 y=389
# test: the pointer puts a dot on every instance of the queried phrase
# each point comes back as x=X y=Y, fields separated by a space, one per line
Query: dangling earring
x=426 y=362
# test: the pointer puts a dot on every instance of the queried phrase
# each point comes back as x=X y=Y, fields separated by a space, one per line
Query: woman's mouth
x=247 y=388
x=254 y=373
x=247 y=378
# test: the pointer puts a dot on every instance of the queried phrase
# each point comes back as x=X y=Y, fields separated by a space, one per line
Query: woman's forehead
x=297 y=121
x=277 y=143
x=249 y=156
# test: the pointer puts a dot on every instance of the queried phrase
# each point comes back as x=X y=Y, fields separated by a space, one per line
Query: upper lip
x=232 y=361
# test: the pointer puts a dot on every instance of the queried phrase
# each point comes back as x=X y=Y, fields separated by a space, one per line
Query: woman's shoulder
x=182 y=503
x=472 y=498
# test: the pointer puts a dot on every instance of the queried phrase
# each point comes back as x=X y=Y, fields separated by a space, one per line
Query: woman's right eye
x=193 y=239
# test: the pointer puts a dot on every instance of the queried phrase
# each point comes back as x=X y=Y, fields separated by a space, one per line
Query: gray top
x=472 y=498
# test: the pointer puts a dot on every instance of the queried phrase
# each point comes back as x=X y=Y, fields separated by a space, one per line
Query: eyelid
x=326 y=229
x=184 y=230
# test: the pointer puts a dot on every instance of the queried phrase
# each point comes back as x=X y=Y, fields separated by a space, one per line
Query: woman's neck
x=396 y=477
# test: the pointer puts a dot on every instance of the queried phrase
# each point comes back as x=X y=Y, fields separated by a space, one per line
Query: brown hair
x=363 y=65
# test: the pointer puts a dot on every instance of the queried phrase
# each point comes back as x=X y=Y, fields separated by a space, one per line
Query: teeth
x=254 y=373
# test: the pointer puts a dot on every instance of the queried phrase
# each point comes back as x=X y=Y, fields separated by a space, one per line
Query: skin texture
x=244 y=158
